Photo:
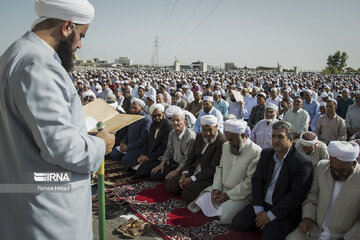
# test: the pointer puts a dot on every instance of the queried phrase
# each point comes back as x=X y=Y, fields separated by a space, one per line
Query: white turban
x=344 y=151
x=157 y=106
x=209 y=98
x=138 y=102
x=151 y=97
x=217 y=92
x=308 y=143
x=272 y=106
x=235 y=126
x=78 y=11
x=171 y=110
x=209 y=120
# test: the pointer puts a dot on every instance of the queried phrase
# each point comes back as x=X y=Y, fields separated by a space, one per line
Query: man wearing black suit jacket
x=156 y=144
x=280 y=183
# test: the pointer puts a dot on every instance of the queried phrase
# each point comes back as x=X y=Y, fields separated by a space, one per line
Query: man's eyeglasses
x=156 y=115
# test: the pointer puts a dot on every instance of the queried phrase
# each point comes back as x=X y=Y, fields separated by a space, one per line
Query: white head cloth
x=323 y=104
x=217 y=92
x=308 y=143
x=209 y=98
x=171 y=110
x=209 y=120
x=157 y=106
x=272 y=106
x=344 y=151
x=138 y=102
x=235 y=126
x=78 y=11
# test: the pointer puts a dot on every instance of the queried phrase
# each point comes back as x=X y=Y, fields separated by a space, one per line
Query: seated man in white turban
x=331 y=209
x=208 y=108
x=199 y=169
x=231 y=188
x=261 y=133
x=156 y=143
x=314 y=149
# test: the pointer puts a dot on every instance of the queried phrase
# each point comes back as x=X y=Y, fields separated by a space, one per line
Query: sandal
x=123 y=227
x=137 y=228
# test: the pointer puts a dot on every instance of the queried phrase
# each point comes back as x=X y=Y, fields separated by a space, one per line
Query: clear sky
x=248 y=33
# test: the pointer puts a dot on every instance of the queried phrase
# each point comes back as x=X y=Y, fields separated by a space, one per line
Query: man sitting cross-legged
x=231 y=188
x=199 y=170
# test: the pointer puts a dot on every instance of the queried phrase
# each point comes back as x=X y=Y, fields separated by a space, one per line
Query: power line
x=164 y=16
x=198 y=26
x=171 y=16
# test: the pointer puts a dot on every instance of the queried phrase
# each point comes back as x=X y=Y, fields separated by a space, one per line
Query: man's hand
x=305 y=225
x=123 y=147
x=171 y=174
x=159 y=167
x=221 y=198
x=142 y=159
x=185 y=182
x=214 y=194
x=108 y=138
x=261 y=220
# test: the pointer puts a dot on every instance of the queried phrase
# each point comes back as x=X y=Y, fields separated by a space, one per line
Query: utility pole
x=155 y=56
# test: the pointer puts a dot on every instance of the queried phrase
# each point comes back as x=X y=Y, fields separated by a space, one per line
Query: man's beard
x=157 y=124
x=65 y=52
x=237 y=150
x=340 y=178
x=212 y=140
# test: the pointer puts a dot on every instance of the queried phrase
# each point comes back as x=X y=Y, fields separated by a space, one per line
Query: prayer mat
x=115 y=174
x=170 y=217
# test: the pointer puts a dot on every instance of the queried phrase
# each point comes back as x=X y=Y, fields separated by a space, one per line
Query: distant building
x=124 y=61
x=230 y=66
x=177 y=65
x=199 y=66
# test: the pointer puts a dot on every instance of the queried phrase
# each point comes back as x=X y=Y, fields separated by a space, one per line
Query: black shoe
x=137 y=177
x=116 y=211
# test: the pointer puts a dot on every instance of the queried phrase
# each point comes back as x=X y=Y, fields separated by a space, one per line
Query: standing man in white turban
x=231 y=188
x=41 y=112
x=331 y=209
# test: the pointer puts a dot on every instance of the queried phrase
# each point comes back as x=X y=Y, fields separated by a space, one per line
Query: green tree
x=336 y=63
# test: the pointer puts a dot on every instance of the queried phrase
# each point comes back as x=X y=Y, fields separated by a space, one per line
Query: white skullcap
x=332 y=100
x=171 y=110
x=178 y=93
x=185 y=86
x=209 y=120
x=141 y=86
x=235 y=126
x=272 y=106
x=344 y=151
x=308 y=91
x=209 y=98
x=256 y=89
x=308 y=143
x=274 y=89
x=86 y=94
x=78 y=11
x=322 y=104
x=261 y=94
x=151 y=97
x=138 y=102
x=324 y=95
x=217 y=92
x=157 y=106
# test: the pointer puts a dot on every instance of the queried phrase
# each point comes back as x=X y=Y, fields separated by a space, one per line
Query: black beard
x=66 y=53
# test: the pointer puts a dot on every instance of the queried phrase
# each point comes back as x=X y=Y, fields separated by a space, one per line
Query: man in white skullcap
x=330 y=126
x=132 y=144
x=156 y=143
x=251 y=101
x=261 y=133
x=41 y=110
x=208 y=108
x=314 y=149
x=199 y=169
x=274 y=97
x=231 y=188
x=179 y=101
x=188 y=95
x=220 y=104
x=331 y=209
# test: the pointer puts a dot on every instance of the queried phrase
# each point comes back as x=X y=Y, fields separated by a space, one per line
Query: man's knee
x=172 y=187
x=188 y=195
x=244 y=220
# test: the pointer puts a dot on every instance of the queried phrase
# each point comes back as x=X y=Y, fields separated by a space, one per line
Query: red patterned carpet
x=169 y=216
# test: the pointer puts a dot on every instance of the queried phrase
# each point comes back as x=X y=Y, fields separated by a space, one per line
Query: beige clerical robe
x=344 y=220
x=233 y=176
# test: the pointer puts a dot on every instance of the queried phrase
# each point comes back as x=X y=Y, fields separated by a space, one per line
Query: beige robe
x=233 y=176
x=320 y=152
x=344 y=220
